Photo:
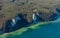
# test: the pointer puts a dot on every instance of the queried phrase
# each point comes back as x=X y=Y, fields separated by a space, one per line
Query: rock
x=32 y=11
x=17 y=23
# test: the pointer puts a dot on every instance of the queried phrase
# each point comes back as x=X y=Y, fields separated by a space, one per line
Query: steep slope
x=44 y=10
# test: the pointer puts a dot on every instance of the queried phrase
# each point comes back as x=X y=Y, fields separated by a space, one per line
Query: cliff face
x=44 y=11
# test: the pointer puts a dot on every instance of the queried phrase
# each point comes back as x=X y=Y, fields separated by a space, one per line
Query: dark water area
x=51 y=30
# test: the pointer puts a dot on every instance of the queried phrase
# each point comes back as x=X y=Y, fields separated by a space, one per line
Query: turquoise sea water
x=39 y=30
x=51 y=30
